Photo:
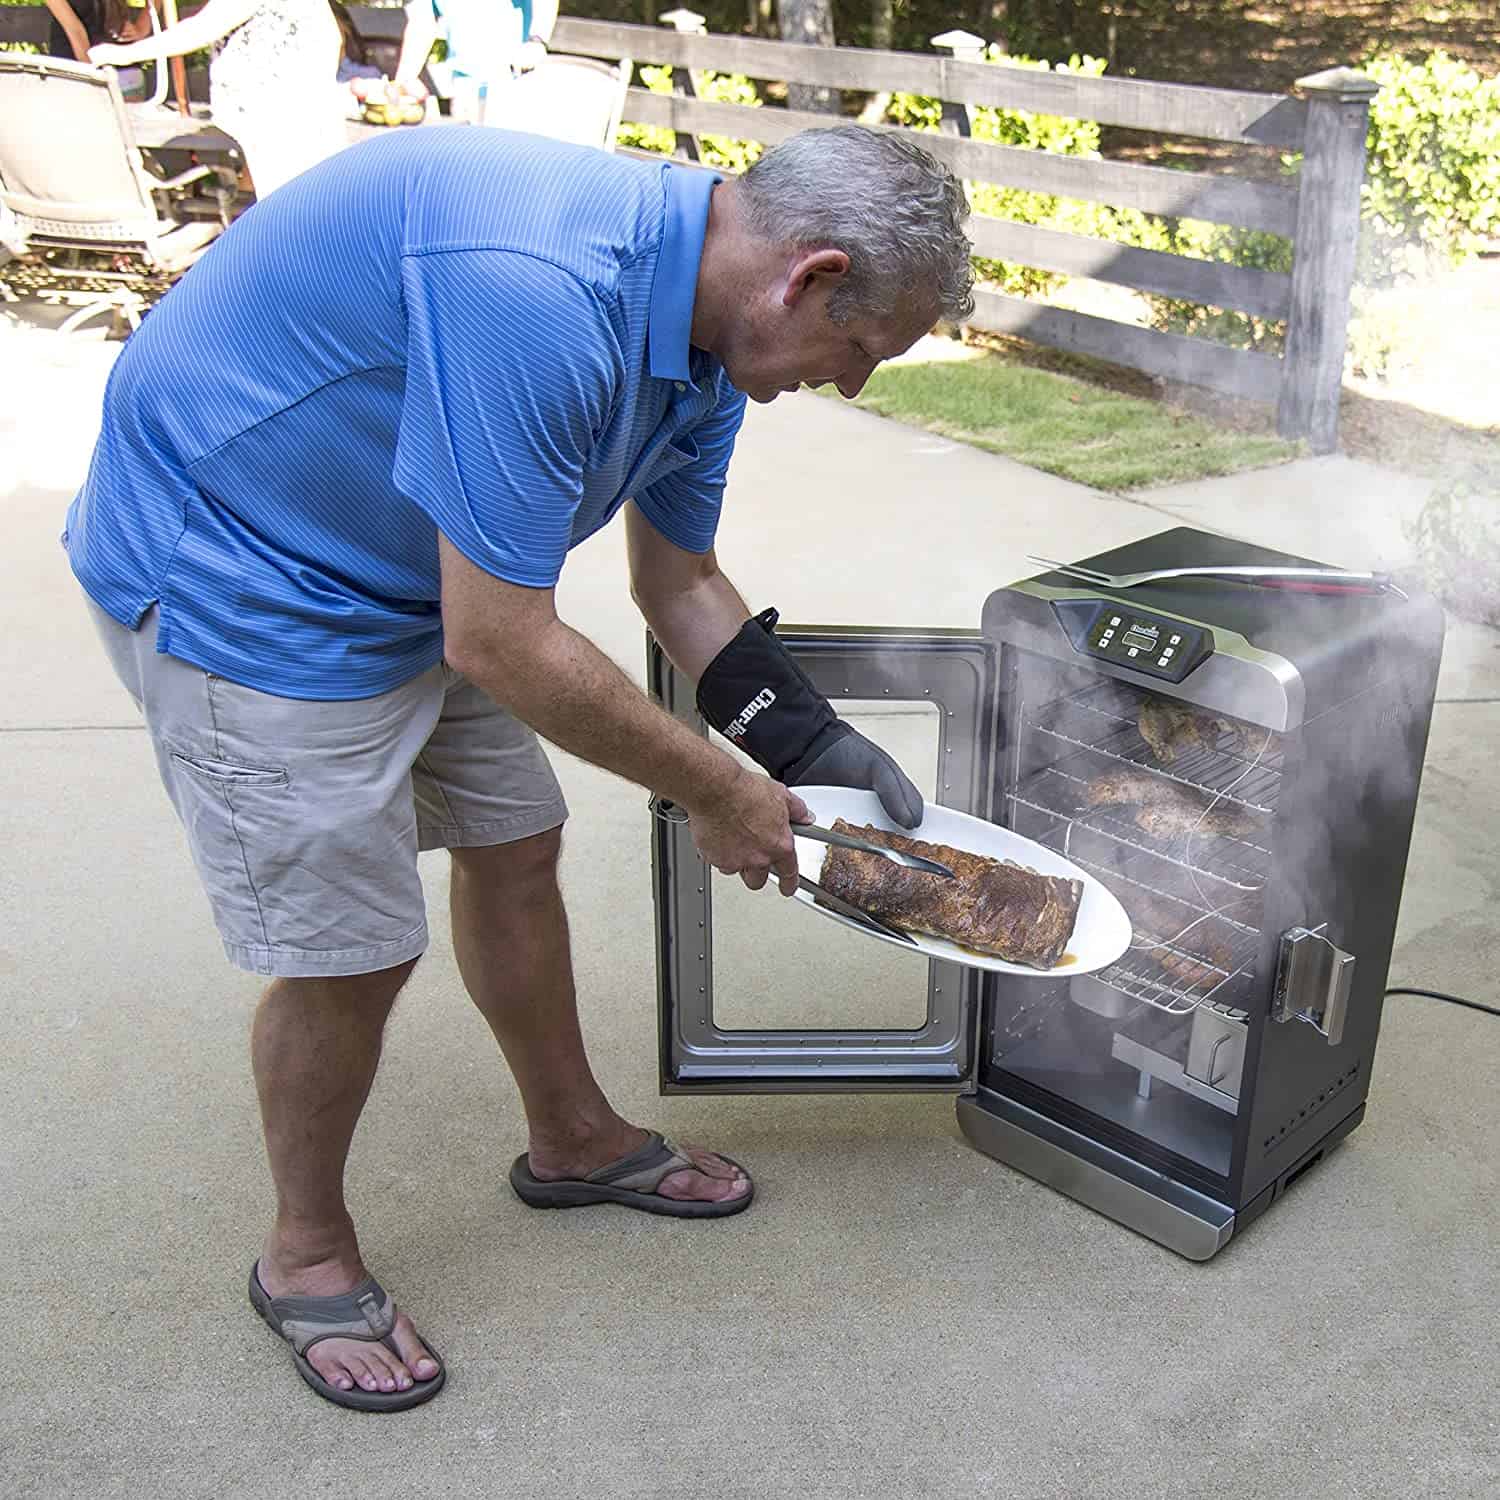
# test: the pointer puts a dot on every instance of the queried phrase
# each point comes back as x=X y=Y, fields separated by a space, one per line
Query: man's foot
x=711 y=1179
x=349 y=1363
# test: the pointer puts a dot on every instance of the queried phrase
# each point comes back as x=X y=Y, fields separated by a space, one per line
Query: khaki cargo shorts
x=305 y=818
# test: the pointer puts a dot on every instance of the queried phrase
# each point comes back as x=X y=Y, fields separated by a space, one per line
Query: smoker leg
x=1143 y=1088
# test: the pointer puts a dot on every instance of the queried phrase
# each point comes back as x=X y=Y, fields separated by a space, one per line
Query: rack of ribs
x=991 y=906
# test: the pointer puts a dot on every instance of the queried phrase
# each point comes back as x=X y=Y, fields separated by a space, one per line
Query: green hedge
x=715 y=150
x=1433 y=176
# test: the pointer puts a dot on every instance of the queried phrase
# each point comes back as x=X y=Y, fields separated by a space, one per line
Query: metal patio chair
x=565 y=98
x=72 y=179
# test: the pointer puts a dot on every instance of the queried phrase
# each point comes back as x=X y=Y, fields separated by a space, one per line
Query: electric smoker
x=1239 y=765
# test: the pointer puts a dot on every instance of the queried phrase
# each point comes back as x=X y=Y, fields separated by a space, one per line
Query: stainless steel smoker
x=1239 y=764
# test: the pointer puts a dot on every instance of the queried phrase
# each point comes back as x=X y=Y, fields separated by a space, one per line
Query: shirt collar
x=675 y=286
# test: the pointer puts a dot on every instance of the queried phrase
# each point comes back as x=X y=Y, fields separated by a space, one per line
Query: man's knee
x=526 y=868
x=374 y=990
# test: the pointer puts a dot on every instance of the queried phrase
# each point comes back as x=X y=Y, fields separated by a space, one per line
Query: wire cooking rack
x=1229 y=765
x=1104 y=720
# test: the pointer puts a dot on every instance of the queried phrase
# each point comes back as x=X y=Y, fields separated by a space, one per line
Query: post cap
x=960 y=42
x=683 y=20
x=1343 y=84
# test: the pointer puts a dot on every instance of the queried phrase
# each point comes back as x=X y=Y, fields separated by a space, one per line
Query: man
x=422 y=372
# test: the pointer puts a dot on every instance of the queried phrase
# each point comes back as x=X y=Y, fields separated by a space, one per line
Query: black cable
x=1489 y=1010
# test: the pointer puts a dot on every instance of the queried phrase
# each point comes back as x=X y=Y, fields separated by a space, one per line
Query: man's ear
x=808 y=267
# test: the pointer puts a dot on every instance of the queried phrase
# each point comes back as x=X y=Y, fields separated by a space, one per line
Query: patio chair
x=566 y=98
x=72 y=179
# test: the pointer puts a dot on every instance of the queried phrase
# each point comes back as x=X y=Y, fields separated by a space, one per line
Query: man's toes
x=336 y=1370
x=711 y=1165
x=687 y=1184
x=418 y=1362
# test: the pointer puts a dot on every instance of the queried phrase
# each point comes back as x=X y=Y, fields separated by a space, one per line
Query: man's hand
x=854 y=761
x=756 y=695
x=746 y=831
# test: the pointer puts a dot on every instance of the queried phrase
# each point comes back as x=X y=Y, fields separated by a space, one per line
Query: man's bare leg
x=315 y=1046
x=510 y=933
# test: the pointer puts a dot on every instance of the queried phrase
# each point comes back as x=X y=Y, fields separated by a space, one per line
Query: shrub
x=1433 y=172
x=715 y=150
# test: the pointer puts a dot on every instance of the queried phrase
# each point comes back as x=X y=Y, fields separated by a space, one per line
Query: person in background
x=78 y=25
x=488 y=42
x=272 y=79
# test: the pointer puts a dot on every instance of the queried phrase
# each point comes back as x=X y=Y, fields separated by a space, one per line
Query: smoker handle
x=1313 y=980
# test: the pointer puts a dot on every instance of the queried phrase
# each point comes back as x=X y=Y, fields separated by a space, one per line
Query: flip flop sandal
x=366 y=1314
x=631 y=1180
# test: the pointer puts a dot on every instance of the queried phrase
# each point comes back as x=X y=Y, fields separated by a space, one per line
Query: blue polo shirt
x=463 y=331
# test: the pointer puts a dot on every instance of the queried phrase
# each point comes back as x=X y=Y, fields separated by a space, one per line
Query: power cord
x=1489 y=1010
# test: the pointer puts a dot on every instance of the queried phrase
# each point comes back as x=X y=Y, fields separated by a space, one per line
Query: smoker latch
x=1313 y=980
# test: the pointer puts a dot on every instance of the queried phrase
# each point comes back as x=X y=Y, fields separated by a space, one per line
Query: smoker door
x=760 y=994
x=1173 y=807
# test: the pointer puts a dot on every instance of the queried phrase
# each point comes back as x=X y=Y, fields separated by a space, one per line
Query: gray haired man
x=440 y=361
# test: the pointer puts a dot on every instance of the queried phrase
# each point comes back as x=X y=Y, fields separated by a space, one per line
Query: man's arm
x=509 y=640
x=691 y=607
x=703 y=626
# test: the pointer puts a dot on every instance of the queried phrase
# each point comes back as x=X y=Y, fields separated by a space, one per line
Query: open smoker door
x=760 y=994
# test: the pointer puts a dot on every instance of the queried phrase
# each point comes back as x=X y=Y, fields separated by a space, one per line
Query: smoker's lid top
x=1289 y=624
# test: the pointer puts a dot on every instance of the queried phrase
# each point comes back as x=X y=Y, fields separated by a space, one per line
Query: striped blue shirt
x=463 y=331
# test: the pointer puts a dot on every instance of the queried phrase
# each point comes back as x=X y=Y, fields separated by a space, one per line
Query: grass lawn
x=1080 y=431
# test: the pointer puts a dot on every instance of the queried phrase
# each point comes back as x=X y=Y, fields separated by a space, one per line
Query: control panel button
x=1114 y=620
x=1161 y=661
x=1135 y=651
x=1176 y=640
x=1166 y=652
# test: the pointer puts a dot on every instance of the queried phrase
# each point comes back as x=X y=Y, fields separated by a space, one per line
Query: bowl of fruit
x=385 y=102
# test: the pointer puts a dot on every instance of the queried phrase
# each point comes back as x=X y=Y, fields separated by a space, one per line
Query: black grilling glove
x=758 y=698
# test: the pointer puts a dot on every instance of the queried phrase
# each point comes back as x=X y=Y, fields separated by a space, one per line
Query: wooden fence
x=1318 y=210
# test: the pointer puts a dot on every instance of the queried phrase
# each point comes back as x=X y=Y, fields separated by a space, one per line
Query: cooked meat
x=1201 y=953
x=1190 y=973
x=1173 y=729
x=992 y=906
x=1166 y=808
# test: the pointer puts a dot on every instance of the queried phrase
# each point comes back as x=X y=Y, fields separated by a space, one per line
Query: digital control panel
x=1145 y=643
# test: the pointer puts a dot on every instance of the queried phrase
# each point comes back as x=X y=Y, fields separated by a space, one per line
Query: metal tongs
x=847 y=908
x=849 y=841
x=1298 y=580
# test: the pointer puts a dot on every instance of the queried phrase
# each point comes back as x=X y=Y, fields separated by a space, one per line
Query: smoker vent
x=1299 y=1119
x=1192 y=897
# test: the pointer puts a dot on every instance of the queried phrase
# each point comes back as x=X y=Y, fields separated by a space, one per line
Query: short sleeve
x=684 y=505
x=512 y=367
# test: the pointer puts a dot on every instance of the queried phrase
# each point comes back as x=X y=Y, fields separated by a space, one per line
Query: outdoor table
x=159 y=129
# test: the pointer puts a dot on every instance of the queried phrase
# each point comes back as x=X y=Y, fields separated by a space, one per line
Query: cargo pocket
x=230 y=773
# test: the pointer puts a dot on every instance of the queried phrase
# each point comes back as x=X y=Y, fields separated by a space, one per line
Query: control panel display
x=1157 y=647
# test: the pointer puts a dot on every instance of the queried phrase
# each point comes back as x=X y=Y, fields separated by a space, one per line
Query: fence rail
x=1318 y=211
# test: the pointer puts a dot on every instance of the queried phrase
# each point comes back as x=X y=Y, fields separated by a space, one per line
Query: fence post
x=688 y=23
x=963 y=46
x=1328 y=194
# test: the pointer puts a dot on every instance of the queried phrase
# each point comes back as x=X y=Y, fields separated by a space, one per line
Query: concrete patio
x=897 y=1314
